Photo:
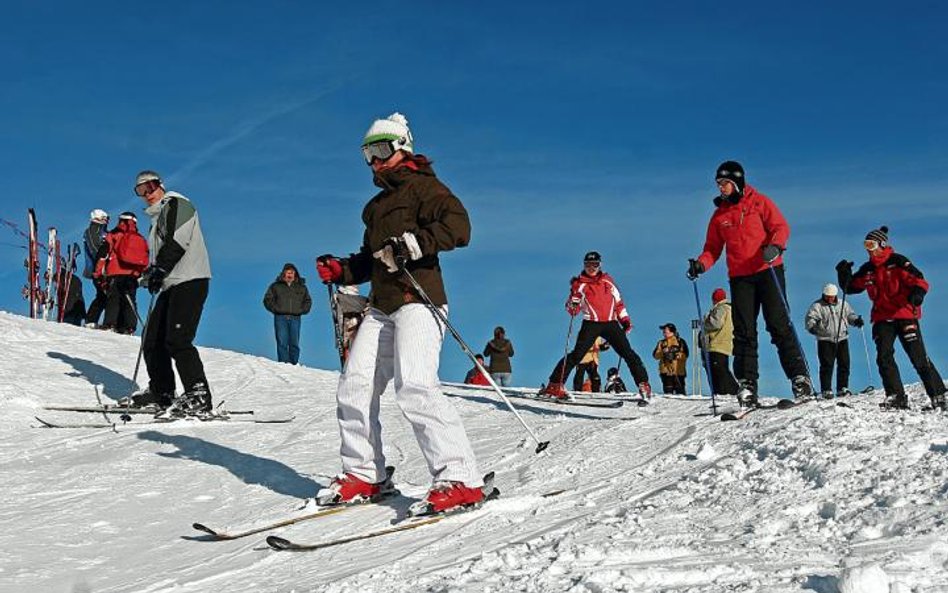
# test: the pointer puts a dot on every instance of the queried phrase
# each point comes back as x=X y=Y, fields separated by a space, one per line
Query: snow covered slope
x=664 y=498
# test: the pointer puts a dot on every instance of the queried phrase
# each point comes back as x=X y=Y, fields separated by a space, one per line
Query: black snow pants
x=614 y=335
x=831 y=354
x=170 y=335
x=909 y=334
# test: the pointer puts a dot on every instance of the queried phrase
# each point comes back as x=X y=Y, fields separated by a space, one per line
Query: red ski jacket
x=118 y=263
x=888 y=278
x=475 y=377
x=744 y=228
x=599 y=298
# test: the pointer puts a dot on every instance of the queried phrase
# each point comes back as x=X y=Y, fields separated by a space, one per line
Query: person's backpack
x=132 y=250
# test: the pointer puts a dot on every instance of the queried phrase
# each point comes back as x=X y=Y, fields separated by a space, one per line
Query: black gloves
x=695 y=269
x=770 y=253
x=916 y=296
x=152 y=278
x=844 y=273
x=858 y=322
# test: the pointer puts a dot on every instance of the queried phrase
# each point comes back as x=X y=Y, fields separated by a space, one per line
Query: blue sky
x=563 y=127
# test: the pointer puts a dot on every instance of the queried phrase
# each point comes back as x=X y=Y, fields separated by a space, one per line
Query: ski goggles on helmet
x=382 y=150
x=871 y=244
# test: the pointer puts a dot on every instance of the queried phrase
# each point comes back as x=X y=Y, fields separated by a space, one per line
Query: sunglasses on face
x=378 y=150
x=592 y=264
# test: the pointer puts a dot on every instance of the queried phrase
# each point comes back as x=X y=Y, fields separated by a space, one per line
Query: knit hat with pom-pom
x=880 y=234
x=394 y=129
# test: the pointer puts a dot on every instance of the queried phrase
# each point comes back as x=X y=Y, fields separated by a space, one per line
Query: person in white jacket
x=829 y=319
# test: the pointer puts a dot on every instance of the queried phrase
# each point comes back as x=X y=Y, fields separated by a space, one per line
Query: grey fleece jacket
x=822 y=320
x=176 y=241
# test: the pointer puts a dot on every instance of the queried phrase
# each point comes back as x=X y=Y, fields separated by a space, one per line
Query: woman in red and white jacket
x=594 y=293
x=896 y=288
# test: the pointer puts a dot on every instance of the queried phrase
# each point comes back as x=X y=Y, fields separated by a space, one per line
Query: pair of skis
x=283 y=544
x=784 y=404
x=228 y=417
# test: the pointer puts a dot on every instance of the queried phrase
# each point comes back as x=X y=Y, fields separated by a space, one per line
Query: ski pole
x=541 y=445
x=865 y=346
x=839 y=325
x=141 y=349
x=793 y=329
x=569 y=337
x=340 y=344
x=704 y=352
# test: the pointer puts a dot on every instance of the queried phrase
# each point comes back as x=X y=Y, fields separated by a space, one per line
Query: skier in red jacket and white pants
x=896 y=288
x=755 y=234
x=595 y=294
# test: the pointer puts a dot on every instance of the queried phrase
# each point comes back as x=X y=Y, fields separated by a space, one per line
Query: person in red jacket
x=896 y=288
x=475 y=376
x=125 y=256
x=755 y=233
x=594 y=293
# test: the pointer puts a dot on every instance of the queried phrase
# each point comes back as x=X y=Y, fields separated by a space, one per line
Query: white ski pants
x=404 y=346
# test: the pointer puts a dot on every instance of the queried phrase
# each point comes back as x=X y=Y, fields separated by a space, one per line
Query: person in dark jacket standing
x=180 y=275
x=92 y=241
x=897 y=289
x=288 y=299
x=500 y=350
x=755 y=233
x=413 y=219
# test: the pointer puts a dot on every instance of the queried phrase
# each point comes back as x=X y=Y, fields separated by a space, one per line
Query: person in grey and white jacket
x=179 y=275
x=829 y=319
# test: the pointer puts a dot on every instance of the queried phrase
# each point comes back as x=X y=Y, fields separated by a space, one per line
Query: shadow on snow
x=114 y=385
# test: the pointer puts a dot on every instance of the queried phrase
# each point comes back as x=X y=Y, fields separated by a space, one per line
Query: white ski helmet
x=146 y=176
x=98 y=215
x=830 y=290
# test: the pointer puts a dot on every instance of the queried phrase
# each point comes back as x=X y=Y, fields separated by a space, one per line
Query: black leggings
x=612 y=333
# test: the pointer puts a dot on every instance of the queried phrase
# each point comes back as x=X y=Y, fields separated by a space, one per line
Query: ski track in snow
x=661 y=498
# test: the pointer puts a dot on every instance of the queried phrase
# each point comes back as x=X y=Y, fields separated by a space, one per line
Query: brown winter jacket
x=499 y=351
x=412 y=200
x=672 y=356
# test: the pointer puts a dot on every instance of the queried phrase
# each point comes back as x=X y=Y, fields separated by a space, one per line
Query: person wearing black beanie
x=753 y=231
x=897 y=289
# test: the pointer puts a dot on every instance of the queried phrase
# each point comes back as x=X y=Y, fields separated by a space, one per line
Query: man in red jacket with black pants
x=595 y=294
x=755 y=234
x=896 y=288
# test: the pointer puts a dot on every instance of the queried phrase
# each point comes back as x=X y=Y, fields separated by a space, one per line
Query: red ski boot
x=554 y=391
x=645 y=390
x=445 y=497
x=349 y=489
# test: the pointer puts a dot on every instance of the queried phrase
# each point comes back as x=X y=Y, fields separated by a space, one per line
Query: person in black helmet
x=595 y=294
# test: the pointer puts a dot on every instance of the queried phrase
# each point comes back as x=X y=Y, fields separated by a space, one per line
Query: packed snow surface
x=661 y=498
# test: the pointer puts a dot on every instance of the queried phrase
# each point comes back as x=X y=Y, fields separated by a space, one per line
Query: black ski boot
x=196 y=402
x=747 y=396
x=938 y=402
x=802 y=388
x=898 y=401
x=146 y=398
